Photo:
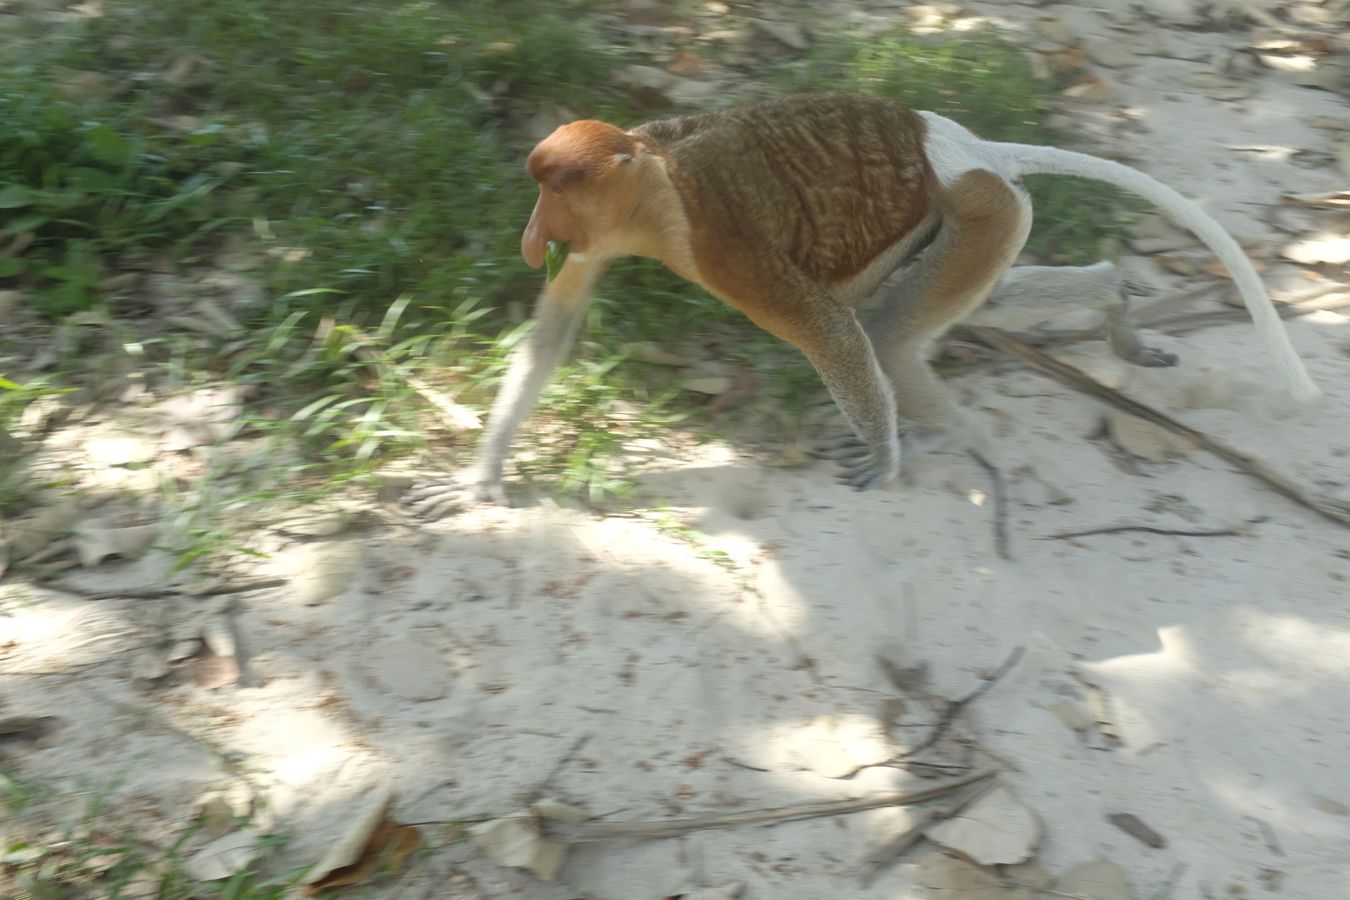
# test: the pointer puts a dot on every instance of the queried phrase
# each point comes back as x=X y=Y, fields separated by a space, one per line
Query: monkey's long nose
x=533 y=246
x=533 y=241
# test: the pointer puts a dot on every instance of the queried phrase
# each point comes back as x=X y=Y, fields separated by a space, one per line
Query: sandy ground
x=463 y=661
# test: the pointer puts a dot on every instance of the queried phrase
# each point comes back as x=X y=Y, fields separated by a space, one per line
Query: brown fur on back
x=830 y=180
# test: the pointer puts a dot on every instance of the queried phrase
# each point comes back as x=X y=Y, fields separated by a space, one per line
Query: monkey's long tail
x=1033 y=160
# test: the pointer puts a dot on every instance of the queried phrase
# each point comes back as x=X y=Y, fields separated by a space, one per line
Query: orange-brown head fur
x=583 y=191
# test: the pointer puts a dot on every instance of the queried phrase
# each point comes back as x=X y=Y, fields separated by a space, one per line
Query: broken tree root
x=1332 y=510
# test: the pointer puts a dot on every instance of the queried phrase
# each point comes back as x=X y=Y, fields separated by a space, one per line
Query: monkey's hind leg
x=788 y=305
x=1027 y=297
x=1124 y=340
x=839 y=349
x=985 y=223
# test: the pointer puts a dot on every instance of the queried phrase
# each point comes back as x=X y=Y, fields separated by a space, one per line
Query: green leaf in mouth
x=555 y=257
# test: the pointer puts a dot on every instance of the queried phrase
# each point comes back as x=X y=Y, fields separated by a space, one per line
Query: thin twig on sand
x=1000 y=495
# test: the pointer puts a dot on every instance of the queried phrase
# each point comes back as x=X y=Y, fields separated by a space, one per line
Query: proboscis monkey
x=794 y=211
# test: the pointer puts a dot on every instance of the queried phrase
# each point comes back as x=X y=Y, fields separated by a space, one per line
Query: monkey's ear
x=622 y=158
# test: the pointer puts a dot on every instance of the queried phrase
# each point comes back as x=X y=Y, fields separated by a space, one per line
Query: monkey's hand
x=438 y=499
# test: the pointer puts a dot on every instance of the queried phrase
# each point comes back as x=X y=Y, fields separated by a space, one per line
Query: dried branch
x=1165 y=889
x=546 y=787
x=1332 y=510
x=954 y=707
x=586 y=832
x=894 y=848
x=240 y=587
x=1149 y=529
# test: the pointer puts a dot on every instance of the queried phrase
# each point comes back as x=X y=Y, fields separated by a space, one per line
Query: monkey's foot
x=1152 y=358
x=849 y=449
x=438 y=499
x=862 y=469
x=843 y=448
x=853 y=454
x=1124 y=342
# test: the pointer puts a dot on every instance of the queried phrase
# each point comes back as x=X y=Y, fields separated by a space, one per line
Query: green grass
x=101 y=856
x=360 y=162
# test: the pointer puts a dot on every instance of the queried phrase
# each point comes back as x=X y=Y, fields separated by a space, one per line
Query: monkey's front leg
x=558 y=316
x=841 y=353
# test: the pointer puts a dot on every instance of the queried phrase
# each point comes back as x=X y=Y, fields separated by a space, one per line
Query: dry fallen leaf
x=995 y=829
x=225 y=856
x=28 y=730
x=218 y=811
x=1065 y=60
x=1222 y=87
x=95 y=544
x=725 y=892
x=210 y=670
x=1072 y=715
x=38 y=531
x=710 y=384
x=1144 y=439
x=218 y=634
x=387 y=850
x=1100 y=880
x=1333 y=249
x=1335 y=199
x=315 y=522
x=519 y=841
x=1029 y=877
x=1329 y=806
x=790 y=34
x=836 y=746
x=322 y=571
x=944 y=876
x=409 y=669
x=1136 y=828
x=1055 y=29
x=199 y=419
x=114 y=449
x=654 y=353
x=1103 y=713
x=366 y=819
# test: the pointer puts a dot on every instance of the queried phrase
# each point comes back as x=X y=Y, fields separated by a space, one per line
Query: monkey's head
x=587 y=187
